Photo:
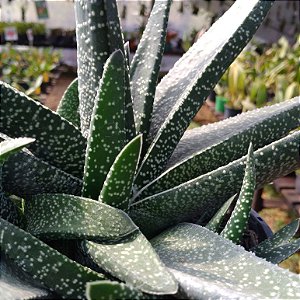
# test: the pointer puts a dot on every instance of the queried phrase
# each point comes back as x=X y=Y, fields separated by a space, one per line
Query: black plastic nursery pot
x=231 y=112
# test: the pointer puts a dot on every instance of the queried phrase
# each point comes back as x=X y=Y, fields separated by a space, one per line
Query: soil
x=53 y=98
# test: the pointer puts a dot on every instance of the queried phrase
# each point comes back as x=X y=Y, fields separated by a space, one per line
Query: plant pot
x=220 y=104
x=231 y=112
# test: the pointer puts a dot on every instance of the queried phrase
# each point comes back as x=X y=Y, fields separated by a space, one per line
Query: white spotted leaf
x=98 y=35
x=13 y=286
x=237 y=223
x=144 y=68
x=107 y=130
x=43 y=264
x=112 y=290
x=207 y=193
x=118 y=184
x=182 y=91
x=56 y=140
x=216 y=221
x=72 y=217
x=209 y=147
x=209 y=267
x=68 y=106
x=25 y=174
x=281 y=245
x=133 y=261
x=8 y=147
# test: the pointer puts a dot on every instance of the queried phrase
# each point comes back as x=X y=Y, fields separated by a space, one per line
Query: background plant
x=125 y=198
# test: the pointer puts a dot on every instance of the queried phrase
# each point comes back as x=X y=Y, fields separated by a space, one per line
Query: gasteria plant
x=117 y=208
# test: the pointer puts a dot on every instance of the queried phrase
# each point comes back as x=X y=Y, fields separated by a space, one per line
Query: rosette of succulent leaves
x=111 y=198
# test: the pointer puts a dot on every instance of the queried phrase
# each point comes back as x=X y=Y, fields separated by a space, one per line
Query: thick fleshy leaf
x=112 y=290
x=14 y=286
x=238 y=220
x=133 y=261
x=210 y=267
x=8 y=147
x=144 y=68
x=24 y=174
x=57 y=141
x=44 y=264
x=98 y=35
x=181 y=93
x=209 y=147
x=281 y=245
x=216 y=220
x=118 y=184
x=208 y=192
x=72 y=217
x=69 y=104
x=107 y=131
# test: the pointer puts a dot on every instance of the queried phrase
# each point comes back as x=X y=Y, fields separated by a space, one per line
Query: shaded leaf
x=44 y=264
x=133 y=261
x=112 y=290
x=216 y=220
x=117 y=187
x=13 y=286
x=144 y=68
x=180 y=93
x=208 y=192
x=8 y=147
x=56 y=140
x=238 y=220
x=72 y=217
x=208 y=266
x=69 y=104
x=209 y=147
x=107 y=131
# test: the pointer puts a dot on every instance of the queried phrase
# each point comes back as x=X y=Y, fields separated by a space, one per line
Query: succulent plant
x=111 y=198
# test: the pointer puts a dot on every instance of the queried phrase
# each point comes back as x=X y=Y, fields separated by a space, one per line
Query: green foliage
x=79 y=184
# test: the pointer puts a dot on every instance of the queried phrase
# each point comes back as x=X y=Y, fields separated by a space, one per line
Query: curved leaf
x=69 y=104
x=216 y=220
x=107 y=131
x=134 y=261
x=237 y=223
x=144 y=68
x=9 y=147
x=117 y=187
x=180 y=93
x=57 y=141
x=72 y=217
x=44 y=264
x=208 y=192
x=210 y=267
x=209 y=147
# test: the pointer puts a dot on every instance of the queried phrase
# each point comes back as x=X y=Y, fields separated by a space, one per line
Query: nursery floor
x=53 y=98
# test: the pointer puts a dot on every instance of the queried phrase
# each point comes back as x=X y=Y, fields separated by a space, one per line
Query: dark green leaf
x=207 y=148
x=117 y=187
x=208 y=192
x=8 y=147
x=216 y=220
x=237 y=223
x=44 y=264
x=72 y=217
x=107 y=131
x=144 y=68
x=180 y=93
x=103 y=290
x=210 y=267
x=133 y=261
x=57 y=141
x=69 y=104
